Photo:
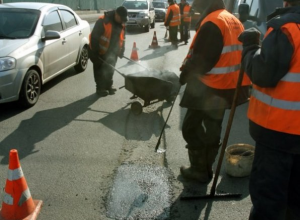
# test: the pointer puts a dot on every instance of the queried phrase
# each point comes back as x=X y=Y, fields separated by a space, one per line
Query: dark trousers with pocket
x=274 y=184
x=103 y=68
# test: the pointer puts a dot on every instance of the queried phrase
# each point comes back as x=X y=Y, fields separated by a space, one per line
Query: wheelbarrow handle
x=131 y=60
x=122 y=74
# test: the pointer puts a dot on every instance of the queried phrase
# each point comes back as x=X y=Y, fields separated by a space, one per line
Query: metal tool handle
x=122 y=74
x=229 y=123
x=162 y=130
x=131 y=60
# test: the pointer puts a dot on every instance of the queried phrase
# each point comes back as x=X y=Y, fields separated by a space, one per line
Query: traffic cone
x=17 y=202
x=154 y=42
x=134 y=55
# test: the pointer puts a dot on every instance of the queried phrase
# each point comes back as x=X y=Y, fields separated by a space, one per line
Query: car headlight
x=7 y=63
x=143 y=15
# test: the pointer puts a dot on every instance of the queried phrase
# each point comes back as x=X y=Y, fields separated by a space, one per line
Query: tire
x=147 y=27
x=83 y=60
x=136 y=108
x=31 y=89
x=153 y=24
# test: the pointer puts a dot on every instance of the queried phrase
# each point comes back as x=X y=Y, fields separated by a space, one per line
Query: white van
x=141 y=13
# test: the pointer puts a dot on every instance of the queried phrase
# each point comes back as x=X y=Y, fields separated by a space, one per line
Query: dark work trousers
x=202 y=128
x=184 y=31
x=274 y=185
x=103 y=73
x=173 y=31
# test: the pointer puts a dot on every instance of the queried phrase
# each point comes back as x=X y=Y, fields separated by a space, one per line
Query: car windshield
x=17 y=23
x=159 y=5
x=136 y=5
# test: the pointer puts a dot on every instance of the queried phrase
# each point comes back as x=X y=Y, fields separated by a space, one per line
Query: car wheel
x=31 y=89
x=147 y=27
x=153 y=24
x=83 y=60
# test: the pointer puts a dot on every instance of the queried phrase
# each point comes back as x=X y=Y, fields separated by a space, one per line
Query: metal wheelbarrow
x=151 y=86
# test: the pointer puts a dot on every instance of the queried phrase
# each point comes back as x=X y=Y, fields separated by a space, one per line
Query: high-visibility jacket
x=278 y=108
x=186 y=13
x=175 y=21
x=224 y=75
x=104 y=40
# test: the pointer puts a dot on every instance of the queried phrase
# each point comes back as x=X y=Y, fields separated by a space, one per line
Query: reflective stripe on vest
x=282 y=104
x=175 y=21
x=104 y=40
x=15 y=174
x=278 y=108
x=225 y=73
x=186 y=13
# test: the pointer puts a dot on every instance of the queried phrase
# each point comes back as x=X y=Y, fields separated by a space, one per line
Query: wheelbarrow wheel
x=170 y=99
x=136 y=108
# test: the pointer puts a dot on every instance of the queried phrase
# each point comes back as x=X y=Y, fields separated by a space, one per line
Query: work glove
x=183 y=77
x=121 y=55
x=249 y=37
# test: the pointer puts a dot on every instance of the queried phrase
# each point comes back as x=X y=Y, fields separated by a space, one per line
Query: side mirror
x=51 y=35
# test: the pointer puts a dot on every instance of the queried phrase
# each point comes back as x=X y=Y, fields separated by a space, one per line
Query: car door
x=55 y=52
x=73 y=33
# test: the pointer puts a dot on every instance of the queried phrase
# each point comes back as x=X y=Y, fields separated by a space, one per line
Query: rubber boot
x=198 y=169
x=212 y=152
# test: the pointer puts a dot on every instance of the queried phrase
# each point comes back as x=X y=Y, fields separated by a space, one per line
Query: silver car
x=38 y=41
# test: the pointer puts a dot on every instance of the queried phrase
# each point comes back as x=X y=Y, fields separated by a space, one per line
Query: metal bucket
x=239 y=159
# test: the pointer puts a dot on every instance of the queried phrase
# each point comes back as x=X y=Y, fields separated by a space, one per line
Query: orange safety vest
x=104 y=40
x=278 y=108
x=186 y=13
x=175 y=21
x=224 y=75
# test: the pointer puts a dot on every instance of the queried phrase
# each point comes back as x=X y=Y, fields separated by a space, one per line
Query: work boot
x=198 y=169
x=102 y=92
x=112 y=90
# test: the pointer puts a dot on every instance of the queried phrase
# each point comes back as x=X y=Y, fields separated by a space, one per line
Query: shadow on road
x=40 y=126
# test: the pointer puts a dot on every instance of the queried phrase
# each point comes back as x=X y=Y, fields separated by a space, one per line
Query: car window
x=18 y=23
x=159 y=5
x=52 y=22
x=136 y=5
x=68 y=18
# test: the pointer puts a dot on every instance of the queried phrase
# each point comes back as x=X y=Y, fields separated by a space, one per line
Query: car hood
x=7 y=46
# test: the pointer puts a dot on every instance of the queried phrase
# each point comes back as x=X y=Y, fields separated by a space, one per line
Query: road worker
x=210 y=72
x=106 y=45
x=274 y=113
x=173 y=21
x=185 y=12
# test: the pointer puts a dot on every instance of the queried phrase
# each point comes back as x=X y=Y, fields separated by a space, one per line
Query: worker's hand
x=249 y=37
x=121 y=55
x=183 y=78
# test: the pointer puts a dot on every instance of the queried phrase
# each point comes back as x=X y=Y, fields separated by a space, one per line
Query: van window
x=136 y=5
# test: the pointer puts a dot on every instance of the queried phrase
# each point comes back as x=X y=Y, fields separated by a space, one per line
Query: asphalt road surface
x=91 y=158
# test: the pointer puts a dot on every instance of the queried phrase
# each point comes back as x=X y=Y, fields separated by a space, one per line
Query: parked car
x=38 y=42
x=160 y=10
x=141 y=14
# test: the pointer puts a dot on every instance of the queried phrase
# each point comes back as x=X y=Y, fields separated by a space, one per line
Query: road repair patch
x=140 y=192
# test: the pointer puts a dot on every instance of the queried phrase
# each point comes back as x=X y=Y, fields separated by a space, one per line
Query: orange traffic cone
x=134 y=55
x=17 y=202
x=154 y=42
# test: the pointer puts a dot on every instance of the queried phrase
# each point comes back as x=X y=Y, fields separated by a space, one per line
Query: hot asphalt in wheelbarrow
x=152 y=85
